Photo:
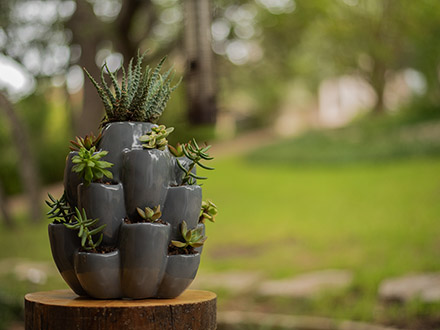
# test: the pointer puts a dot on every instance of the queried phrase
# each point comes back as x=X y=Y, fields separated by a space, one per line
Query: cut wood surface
x=62 y=309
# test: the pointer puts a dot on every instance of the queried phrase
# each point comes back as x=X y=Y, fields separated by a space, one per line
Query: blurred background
x=324 y=116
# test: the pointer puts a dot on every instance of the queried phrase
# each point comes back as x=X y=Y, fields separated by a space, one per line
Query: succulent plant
x=86 y=231
x=141 y=96
x=89 y=166
x=208 y=211
x=157 y=138
x=87 y=142
x=60 y=210
x=150 y=215
x=196 y=154
x=192 y=237
x=176 y=151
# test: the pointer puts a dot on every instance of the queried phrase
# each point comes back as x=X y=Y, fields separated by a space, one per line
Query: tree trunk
x=5 y=210
x=26 y=162
x=61 y=309
x=88 y=31
x=378 y=82
x=200 y=81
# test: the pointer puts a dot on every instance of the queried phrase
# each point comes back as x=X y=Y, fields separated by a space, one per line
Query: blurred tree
x=373 y=39
x=87 y=33
x=422 y=21
x=26 y=163
x=4 y=209
x=200 y=81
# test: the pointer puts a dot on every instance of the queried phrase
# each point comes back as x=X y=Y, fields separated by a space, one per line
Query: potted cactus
x=141 y=193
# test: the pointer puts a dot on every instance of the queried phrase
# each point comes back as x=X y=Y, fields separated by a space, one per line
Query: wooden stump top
x=62 y=309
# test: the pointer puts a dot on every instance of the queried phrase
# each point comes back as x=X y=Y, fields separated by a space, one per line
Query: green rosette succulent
x=89 y=166
x=192 y=237
x=157 y=138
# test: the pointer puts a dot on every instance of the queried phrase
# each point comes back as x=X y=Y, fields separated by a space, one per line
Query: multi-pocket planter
x=130 y=222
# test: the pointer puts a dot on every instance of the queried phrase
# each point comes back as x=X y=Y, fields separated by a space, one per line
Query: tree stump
x=62 y=309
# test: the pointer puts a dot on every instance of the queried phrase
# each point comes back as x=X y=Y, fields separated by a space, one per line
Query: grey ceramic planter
x=119 y=136
x=141 y=267
x=144 y=248
x=71 y=181
x=99 y=274
x=105 y=202
x=180 y=272
x=146 y=176
x=182 y=203
x=64 y=244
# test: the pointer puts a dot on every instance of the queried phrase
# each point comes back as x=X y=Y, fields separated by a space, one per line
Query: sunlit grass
x=383 y=216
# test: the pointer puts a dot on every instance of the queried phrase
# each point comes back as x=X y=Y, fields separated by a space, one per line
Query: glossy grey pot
x=99 y=274
x=105 y=202
x=71 y=181
x=144 y=248
x=64 y=243
x=119 y=136
x=182 y=203
x=146 y=176
x=180 y=272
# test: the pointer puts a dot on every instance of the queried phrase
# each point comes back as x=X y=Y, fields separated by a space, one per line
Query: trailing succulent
x=157 y=138
x=89 y=166
x=86 y=230
x=142 y=96
x=195 y=154
x=208 y=211
x=193 y=238
x=150 y=215
x=60 y=210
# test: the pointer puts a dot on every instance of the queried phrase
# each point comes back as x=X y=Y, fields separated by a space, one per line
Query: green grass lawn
x=282 y=213
x=378 y=220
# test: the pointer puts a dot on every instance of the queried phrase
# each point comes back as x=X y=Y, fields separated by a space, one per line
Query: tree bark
x=26 y=163
x=5 y=210
x=87 y=32
x=378 y=82
x=200 y=80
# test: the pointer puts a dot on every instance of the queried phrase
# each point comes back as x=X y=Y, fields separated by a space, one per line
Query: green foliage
x=86 y=142
x=86 y=231
x=157 y=138
x=150 y=215
x=60 y=210
x=196 y=154
x=192 y=237
x=89 y=166
x=368 y=140
x=208 y=211
x=140 y=96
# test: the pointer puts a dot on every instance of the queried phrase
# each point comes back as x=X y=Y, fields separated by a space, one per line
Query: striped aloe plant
x=141 y=95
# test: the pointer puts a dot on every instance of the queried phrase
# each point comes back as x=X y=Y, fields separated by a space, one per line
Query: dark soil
x=106 y=181
x=100 y=249
x=129 y=221
x=174 y=250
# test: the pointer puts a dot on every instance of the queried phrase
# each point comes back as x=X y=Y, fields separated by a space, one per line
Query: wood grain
x=62 y=309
